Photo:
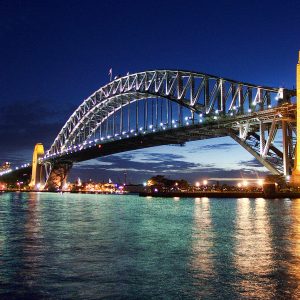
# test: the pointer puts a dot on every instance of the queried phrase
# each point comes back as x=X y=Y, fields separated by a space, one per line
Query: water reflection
x=294 y=236
x=33 y=241
x=92 y=246
x=253 y=251
x=202 y=263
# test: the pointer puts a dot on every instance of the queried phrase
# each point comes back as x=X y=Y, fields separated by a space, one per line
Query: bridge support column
x=38 y=173
x=58 y=175
x=296 y=172
x=285 y=144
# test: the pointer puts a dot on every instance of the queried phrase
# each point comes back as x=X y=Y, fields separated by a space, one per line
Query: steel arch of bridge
x=198 y=92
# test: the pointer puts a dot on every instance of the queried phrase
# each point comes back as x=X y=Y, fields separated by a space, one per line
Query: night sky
x=54 y=54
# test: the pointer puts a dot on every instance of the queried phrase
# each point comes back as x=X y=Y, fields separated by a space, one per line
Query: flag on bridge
x=110 y=74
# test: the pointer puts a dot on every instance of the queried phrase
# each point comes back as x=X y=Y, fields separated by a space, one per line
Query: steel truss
x=250 y=114
x=200 y=93
x=258 y=137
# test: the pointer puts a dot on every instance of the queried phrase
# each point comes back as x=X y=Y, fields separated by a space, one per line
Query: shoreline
x=277 y=195
x=217 y=194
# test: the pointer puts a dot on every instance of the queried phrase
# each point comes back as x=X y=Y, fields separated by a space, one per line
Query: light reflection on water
x=294 y=237
x=253 y=250
x=98 y=246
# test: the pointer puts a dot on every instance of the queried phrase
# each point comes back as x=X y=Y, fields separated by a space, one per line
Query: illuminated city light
x=260 y=182
x=205 y=182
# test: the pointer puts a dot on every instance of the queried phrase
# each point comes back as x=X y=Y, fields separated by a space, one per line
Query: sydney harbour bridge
x=163 y=107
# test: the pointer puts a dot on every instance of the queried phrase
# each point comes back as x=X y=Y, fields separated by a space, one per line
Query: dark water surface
x=75 y=246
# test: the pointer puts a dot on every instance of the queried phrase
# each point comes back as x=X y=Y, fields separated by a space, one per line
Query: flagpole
x=110 y=74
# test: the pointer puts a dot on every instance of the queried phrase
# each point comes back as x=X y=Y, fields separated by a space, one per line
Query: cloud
x=23 y=124
x=140 y=166
x=252 y=163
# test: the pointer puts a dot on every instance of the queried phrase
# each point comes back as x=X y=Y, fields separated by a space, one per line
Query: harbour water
x=78 y=246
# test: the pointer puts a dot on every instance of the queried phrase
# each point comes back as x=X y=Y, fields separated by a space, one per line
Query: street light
x=245 y=183
x=205 y=182
x=260 y=182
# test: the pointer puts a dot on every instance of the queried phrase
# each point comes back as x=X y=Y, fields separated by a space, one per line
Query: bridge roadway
x=211 y=128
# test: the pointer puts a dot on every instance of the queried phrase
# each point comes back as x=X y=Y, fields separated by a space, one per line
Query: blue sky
x=55 y=53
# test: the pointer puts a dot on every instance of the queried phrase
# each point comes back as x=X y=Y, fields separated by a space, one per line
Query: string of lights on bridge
x=142 y=131
x=133 y=132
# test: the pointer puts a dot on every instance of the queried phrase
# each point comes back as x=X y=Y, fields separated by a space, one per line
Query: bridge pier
x=38 y=174
x=57 y=177
x=295 y=180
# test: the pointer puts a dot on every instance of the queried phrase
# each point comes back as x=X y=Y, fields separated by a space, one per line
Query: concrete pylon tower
x=37 y=176
x=296 y=171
